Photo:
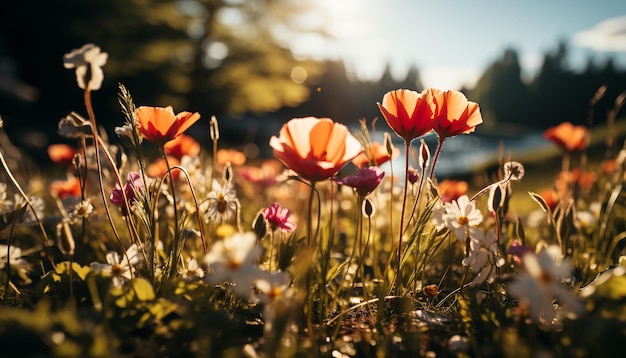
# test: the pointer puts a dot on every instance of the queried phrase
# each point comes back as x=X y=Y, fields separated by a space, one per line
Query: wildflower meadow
x=162 y=247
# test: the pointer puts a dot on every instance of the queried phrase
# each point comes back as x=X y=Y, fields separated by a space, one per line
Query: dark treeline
x=555 y=94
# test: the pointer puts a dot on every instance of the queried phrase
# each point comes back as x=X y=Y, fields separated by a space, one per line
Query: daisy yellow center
x=116 y=269
x=545 y=278
x=274 y=293
x=463 y=220
x=233 y=265
x=221 y=202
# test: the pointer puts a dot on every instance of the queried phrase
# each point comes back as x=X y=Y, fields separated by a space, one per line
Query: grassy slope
x=542 y=165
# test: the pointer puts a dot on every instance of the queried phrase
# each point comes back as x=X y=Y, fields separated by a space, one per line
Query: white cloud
x=609 y=35
x=450 y=77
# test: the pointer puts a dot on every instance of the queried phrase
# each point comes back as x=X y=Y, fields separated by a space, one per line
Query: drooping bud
x=388 y=144
x=214 y=130
x=259 y=225
x=496 y=198
x=228 y=172
x=368 y=208
x=66 y=241
x=424 y=155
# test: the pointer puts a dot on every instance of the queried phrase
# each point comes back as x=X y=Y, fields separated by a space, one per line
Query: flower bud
x=214 y=129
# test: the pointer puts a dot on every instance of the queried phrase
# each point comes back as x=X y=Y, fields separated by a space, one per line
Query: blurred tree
x=554 y=93
x=412 y=80
x=210 y=56
x=500 y=91
x=560 y=94
x=243 y=64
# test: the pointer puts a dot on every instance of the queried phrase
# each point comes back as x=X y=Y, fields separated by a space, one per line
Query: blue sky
x=453 y=41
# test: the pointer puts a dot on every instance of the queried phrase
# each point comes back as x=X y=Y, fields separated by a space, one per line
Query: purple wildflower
x=133 y=186
x=364 y=181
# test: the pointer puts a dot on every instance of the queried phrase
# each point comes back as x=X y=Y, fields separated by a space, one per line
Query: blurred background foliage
x=231 y=58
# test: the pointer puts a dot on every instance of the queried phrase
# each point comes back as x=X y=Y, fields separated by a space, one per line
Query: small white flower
x=14 y=256
x=82 y=210
x=540 y=284
x=88 y=62
x=192 y=270
x=37 y=206
x=585 y=220
x=234 y=259
x=273 y=287
x=483 y=257
x=122 y=267
x=222 y=203
x=273 y=290
x=461 y=215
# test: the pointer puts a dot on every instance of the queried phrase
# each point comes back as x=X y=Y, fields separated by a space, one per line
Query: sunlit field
x=316 y=251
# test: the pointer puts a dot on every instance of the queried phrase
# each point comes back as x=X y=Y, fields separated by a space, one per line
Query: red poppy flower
x=551 y=197
x=567 y=136
x=158 y=168
x=315 y=148
x=408 y=113
x=61 y=154
x=450 y=190
x=454 y=114
x=66 y=188
x=160 y=125
x=181 y=146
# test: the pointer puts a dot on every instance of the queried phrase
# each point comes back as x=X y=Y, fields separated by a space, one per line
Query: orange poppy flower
x=61 y=154
x=551 y=197
x=451 y=189
x=65 y=188
x=454 y=114
x=160 y=125
x=181 y=146
x=567 y=136
x=584 y=179
x=315 y=148
x=609 y=166
x=233 y=156
x=158 y=168
x=374 y=154
x=408 y=113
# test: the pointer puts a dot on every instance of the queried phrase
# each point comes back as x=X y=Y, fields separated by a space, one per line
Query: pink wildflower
x=278 y=218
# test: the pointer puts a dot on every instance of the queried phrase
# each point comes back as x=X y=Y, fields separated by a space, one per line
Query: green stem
x=436 y=156
x=401 y=231
x=175 y=243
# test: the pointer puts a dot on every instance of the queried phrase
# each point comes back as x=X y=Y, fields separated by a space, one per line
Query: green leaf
x=81 y=271
x=143 y=289
x=541 y=201
x=613 y=288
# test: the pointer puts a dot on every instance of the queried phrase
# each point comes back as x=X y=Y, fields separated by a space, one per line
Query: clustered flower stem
x=177 y=237
x=398 y=274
